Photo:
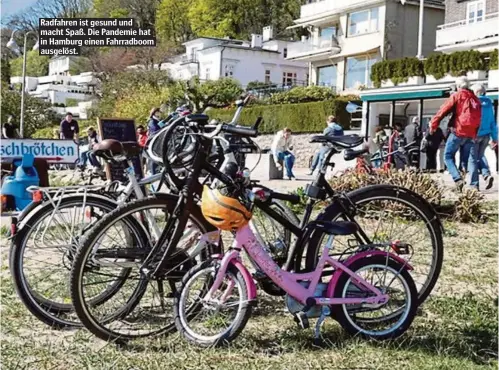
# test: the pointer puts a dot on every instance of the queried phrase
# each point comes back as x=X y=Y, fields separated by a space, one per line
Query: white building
x=261 y=59
x=59 y=87
x=469 y=25
x=348 y=36
x=472 y=27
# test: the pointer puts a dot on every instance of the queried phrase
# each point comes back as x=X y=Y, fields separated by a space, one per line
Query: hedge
x=437 y=65
x=302 y=117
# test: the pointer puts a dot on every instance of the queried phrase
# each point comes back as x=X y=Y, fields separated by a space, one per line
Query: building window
x=476 y=11
x=285 y=52
x=267 y=76
x=327 y=33
x=358 y=71
x=207 y=74
x=229 y=71
x=288 y=78
x=326 y=76
x=363 y=22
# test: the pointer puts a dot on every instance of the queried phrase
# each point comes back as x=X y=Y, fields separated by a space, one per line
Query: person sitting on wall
x=332 y=129
x=281 y=150
x=69 y=128
x=93 y=139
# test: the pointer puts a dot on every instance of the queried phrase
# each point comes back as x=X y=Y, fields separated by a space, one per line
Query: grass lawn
x=456 y=329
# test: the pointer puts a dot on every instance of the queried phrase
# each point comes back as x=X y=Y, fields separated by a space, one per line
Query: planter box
x=476 y=75
x=387 y=83
x=414 y=80
x=493 y=78
x=447 y=78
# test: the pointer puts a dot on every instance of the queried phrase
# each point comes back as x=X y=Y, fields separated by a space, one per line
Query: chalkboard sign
x=122 y=130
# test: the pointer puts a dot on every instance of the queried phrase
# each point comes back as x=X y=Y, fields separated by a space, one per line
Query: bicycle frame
x=288 y=281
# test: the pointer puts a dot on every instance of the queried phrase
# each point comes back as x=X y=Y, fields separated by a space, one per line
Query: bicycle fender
x=248 y=279
x=358 y=256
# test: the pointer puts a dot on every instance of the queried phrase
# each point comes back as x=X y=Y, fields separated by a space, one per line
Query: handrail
x=465 y=21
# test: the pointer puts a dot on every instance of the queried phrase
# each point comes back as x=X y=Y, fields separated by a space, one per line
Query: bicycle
x=54 y=222
x=363 y=206
x=226 y=284
x=155 y=265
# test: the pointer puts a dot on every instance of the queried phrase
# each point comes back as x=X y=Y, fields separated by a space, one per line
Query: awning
x=404 y=95
x=493 y=95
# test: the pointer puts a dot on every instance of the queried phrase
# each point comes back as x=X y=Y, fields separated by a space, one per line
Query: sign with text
x=52 y=150
x=120 y=129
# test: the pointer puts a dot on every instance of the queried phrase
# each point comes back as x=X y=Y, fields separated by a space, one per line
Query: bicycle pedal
x=302 y=320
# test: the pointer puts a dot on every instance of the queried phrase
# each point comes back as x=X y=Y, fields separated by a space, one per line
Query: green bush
x=458 y=63
x=303 y=117
x=493 y=61
x=397 y=70
x=70 y=102
x=302 y=95
x=257 y=85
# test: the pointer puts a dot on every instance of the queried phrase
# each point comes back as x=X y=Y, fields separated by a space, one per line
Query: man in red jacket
x=465 y=122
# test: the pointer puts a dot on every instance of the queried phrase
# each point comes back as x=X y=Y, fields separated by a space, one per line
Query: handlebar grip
x=292 y=198
x=350 y=154
x=240 y=130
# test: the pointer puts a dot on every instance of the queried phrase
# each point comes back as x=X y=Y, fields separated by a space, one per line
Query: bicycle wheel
x=42 y=252
x=386 y=214
x=218 y=319
x=143 y=306
x=381 y=321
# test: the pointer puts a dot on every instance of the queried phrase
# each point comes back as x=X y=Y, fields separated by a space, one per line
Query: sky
x=10 y=7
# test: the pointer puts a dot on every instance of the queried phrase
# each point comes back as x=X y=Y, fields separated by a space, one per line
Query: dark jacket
x=435 y=139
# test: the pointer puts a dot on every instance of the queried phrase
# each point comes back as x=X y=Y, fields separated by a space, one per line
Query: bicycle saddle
x=113 y=149
x=334 y=228
x=199 y=118
x=345 y=141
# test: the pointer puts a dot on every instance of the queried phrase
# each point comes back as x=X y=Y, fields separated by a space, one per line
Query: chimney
x=256 y=41
x=268 y=33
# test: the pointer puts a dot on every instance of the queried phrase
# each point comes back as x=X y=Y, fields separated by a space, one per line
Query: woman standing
x=153 y=128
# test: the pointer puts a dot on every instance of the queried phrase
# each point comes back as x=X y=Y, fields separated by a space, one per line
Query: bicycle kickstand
x=325 y=312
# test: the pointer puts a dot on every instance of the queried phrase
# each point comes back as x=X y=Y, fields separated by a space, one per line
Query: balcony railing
x=185 y=59
x=314 y=8
x=463 y=31
x=313 y=45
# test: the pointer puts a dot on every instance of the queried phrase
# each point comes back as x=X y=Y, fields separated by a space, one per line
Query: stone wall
x=302 y=148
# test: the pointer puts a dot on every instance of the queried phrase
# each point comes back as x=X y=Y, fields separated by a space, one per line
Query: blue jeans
x=319 y=158
x=481 y=143
x=467 y=146
x=289 y=160
x=88 y=155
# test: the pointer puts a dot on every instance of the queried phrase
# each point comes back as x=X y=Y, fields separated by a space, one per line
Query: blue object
x=488 y=124
x=24 y=177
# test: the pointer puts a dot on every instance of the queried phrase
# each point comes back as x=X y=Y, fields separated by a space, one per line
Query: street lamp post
x=14 y=47
x=420 y=33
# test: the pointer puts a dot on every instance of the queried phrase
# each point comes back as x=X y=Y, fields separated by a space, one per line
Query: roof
x=231 y=46
x=211 y=38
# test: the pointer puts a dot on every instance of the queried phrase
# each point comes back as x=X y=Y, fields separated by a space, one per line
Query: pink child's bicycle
x=370 y=294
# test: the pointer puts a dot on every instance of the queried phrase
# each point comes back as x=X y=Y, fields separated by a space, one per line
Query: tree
x=5 y=71
x=199 y=95
x=143 y=11
x=38 y=113
x=36 y=65
x=172 y=21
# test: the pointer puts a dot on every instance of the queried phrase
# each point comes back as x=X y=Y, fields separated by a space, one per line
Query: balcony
x=315 y=9
x=307 y=48
x=462 y=35
x=185 y=59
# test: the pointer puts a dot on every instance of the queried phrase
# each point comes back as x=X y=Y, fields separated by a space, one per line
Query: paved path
x=303 y=179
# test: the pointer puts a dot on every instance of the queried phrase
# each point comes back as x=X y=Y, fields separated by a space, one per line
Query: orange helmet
x=222 y=211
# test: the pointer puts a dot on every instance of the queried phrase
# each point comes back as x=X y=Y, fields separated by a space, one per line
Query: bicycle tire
x=389 y=192
x=87 y=244
x=44 y=309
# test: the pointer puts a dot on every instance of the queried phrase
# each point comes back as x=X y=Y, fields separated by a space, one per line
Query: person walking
x=433 y=144
x=69 y=128
x=281 y=150
x=9 y=129
x=486 y=132
x=466 y=117
x=332 y=129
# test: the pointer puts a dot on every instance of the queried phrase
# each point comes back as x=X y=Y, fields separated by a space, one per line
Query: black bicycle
x=164 y=259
